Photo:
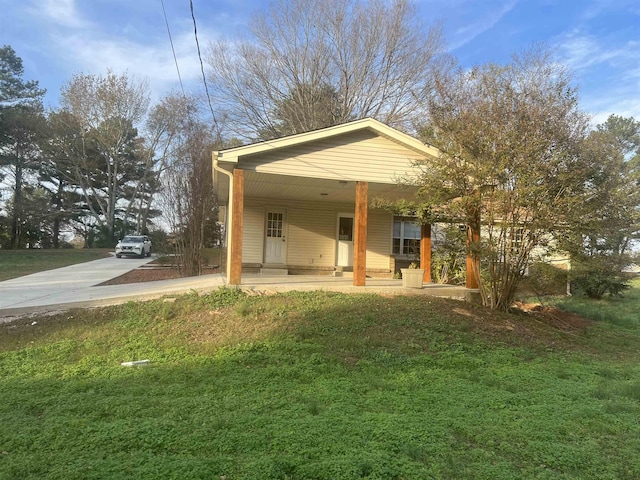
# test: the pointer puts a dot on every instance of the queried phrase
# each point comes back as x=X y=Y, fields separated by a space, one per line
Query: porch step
x=340 y=268
x=272 y=272
x=342 y=274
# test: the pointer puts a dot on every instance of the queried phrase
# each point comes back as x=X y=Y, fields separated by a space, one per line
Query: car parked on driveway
x=137 y=245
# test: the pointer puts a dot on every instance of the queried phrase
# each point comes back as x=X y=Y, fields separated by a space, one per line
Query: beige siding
x=379 y=239
x=311 y=233
x=253 y=232
x=359 y=155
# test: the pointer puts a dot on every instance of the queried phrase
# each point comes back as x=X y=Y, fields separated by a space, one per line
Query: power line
x=175 y=59
x=204 y=79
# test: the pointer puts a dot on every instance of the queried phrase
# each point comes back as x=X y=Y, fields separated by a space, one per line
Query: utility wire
x=204 y=79
x=175 y=59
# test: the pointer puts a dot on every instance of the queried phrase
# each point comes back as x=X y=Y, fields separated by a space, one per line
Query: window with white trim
x=406 y=237
x=518 y=238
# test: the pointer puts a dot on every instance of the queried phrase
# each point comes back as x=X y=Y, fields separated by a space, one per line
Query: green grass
x=16 y=263
x=622 y=311
x=315 y=386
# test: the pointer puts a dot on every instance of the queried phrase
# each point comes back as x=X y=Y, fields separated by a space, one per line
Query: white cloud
x=610 y=70
x=594 y=8
x=581 y=51
x=484 y=21
x=61 y=12
x=622 y=101
x=153 y=60
x=141 y=47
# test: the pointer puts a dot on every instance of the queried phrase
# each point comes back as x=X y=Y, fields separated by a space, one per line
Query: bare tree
x=308 y=107
x=186 y=180
x=164 y=127
x=375 y=55
x=110 y=165
x=510 y=138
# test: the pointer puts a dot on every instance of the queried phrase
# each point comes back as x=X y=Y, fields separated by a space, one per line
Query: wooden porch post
x=425 y=252
x=473 y=263
x=237 y=211
x=360 y=235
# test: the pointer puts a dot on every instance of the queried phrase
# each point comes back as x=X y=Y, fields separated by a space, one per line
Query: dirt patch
x=559 y=319
x=146 y=274
x=525 y=325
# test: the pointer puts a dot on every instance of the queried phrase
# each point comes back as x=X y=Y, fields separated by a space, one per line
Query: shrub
x=544 y=279
x=598 y=282
x=448 y=257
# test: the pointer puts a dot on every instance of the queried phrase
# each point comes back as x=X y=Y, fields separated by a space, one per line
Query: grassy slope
x=623 y=311
x=16 y=263
x=317 y=385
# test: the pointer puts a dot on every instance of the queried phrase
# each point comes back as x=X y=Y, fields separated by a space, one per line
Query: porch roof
x=284 y=187
x=320 y=165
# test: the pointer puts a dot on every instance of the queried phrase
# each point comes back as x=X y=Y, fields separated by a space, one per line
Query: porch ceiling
x=316 y=189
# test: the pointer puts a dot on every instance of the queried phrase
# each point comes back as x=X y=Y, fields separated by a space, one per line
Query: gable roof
x=233 y=155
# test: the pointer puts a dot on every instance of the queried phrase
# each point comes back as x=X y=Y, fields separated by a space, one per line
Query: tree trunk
x=56 y=232
x=17 y=207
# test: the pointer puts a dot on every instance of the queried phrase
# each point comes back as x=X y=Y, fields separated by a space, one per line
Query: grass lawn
x=16 y=263
x=317 y=386
x=623 y=311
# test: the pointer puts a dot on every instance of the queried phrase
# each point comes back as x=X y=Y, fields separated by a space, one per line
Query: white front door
x=345 y=240
x=275 y=245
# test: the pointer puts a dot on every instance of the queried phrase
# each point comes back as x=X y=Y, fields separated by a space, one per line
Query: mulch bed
x=147 y=274
x=565 y=321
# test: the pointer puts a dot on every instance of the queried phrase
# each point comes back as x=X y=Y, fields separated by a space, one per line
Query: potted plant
x=412 y=277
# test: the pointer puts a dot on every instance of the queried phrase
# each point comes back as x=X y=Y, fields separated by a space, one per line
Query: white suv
x=138 y=245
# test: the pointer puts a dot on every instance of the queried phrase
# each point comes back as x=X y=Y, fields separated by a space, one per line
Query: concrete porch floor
x=285 y=283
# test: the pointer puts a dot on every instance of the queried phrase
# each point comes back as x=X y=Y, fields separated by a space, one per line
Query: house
x=300 y=204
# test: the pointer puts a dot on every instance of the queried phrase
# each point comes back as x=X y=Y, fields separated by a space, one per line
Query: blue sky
x=598 y=39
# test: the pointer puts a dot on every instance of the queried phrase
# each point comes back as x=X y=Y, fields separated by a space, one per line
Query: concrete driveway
x=75 y=286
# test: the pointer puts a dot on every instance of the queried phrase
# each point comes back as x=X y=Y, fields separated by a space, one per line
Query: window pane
x=411 y=247
x=396 y=228
x=411 y=230
x=275 y=224
x=396 y=245
x=346 y=229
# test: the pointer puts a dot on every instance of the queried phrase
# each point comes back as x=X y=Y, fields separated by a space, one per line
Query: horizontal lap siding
x=253 y=232
x=379 y=239
x=311 y=233
x=357 y=156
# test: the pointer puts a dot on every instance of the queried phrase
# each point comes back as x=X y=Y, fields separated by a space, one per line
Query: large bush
x=598 y=277
x=544 y=279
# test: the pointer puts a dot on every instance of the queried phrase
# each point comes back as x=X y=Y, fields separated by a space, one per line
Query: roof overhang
x=309 y=188
x=282 y=187
x=234 y=155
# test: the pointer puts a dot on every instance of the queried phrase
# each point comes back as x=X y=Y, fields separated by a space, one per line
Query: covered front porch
x=302 y=204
